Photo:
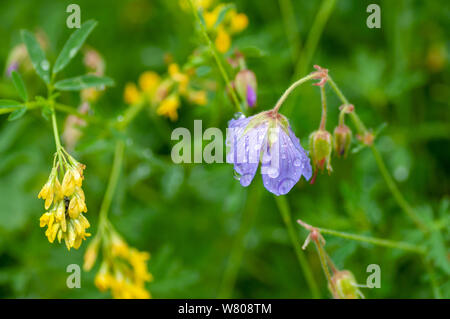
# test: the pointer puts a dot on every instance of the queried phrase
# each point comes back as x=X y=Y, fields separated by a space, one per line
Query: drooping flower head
x=123 y=270
x=246 y=86
x=65 y=203
x=267 y=138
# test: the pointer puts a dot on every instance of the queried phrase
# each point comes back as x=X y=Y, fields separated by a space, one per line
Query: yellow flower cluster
x=164 y=93
x=124 y=271
x=65 y=204
x=231 y=23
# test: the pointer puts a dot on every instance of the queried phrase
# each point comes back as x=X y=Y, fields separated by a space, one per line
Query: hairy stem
x=323 y=120
x=374 y=241
x=398 y=196
x=292 y=88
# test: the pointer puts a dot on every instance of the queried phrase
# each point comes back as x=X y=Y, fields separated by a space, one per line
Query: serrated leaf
x=17 y=114
x=6 y=104
x=84 y=82
x=73 y=45
x=20 y=86
x=37 y=56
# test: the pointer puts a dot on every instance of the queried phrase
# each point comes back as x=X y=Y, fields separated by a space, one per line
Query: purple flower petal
x=245 y=148
x=284 y=162
x=251 y=96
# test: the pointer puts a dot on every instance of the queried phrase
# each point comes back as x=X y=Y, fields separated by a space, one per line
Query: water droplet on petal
x=238 y=115
x=246 y=179
x=297 y=162
x=272 y=172
x=285 y=186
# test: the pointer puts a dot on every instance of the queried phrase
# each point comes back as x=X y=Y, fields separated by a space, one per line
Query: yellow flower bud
x=223 y=40
x=131 y=94
x=169 y=106
x=149 y=81
x=239 y=22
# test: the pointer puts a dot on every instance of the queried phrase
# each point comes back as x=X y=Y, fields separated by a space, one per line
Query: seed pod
x=342 y=137
x=344 y=286
x=320 y=148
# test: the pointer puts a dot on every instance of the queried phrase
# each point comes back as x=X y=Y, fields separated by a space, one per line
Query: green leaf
x=73 y=45
x=6 y=104
x=83 y=82
x=223 y=13
x=17 y=114
x=20 y=86
x=37 y=56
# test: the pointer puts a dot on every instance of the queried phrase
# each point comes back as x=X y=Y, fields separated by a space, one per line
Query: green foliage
x=188 y=216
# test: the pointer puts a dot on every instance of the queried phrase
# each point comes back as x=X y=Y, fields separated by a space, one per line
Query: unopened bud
x=342 y=138
x=320 y=148
x=246 y=86
x=344 y=286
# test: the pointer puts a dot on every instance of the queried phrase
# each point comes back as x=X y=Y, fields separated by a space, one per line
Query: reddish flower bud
x=320 y=148
x=246 y=86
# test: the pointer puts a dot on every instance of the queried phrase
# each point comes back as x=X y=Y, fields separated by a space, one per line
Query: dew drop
x=297 y=162
x=272 y=172
x=238 y=115
x=246 y=179
x=72 y=53
x=45 y=65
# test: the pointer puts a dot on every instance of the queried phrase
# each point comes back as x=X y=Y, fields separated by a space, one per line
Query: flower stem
x=112 y=183
x=214 y=53
x=323 y=261
x=362 y=130
x=374 y=241
x=291 y=88
x=323 y=120
x=285 y=212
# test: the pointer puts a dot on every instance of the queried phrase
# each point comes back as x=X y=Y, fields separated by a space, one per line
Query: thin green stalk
x=314 y=35
x=374 y=241
x=323 y=120
x=401 y=201
x=362 y=130
x=434 y=285
x=323 y=261
x=130 y=114
x=112 y=183
x=285 y=212
x=57 y=141
x=292 y=88
x=239 y=245
x=214 y=53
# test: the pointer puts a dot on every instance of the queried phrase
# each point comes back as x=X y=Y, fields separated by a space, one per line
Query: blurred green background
x=187 y=216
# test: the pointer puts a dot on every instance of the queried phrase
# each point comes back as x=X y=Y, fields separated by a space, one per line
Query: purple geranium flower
x=267 y=138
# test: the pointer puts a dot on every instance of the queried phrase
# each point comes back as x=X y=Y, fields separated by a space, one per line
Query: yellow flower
x=90 y=256
x=223 y=40
x=65 y=220
x=179 y=77
x=169 y=106
x=124 y=271
x=131 y=94
x=198 y=97
x=210 y=19
x=238 y=23
x=149 y=81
